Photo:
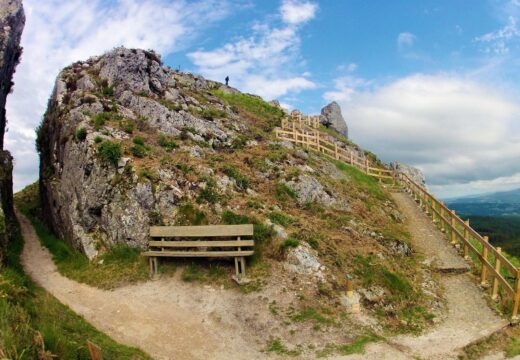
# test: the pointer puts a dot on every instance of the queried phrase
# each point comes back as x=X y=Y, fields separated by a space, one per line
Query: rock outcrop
x=331 y=117
x=95 y=189
x=12 y=20
x=414 y=173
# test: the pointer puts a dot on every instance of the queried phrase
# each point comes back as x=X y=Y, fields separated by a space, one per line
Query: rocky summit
x=12 y=20
x=331 y=117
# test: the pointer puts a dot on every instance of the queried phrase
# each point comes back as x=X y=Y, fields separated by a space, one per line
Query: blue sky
x=430 y=83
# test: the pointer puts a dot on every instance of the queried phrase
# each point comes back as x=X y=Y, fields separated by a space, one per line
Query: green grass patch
x=167 y=142
x=276 y=346
x=310 y=313
x=188 y=214
x=284 y=192
x=110 y=152
x=241 y=180
x=358 y=346
x=289 y=243
x=280 y=218
x=28 y=313
x=363 y=181
x=81 y=134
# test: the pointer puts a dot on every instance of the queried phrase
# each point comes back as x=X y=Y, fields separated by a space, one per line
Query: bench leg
x=237 y=270
x=153 y=266
x=150 y=260
x=243 y=266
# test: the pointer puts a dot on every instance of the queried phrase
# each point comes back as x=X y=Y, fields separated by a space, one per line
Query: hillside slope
x=127 y=143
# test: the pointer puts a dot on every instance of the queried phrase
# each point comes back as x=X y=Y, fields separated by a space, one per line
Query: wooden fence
x=496 y=271
x=300 y=132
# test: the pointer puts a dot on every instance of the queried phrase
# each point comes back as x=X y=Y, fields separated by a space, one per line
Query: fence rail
x=496 y=270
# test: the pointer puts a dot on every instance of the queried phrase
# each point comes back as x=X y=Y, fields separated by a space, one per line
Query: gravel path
x=170 y=319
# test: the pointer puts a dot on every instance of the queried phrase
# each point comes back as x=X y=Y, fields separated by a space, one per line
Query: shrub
x=208 y=193
x=108 y=91
x=100 y=120
x=262 y=233
x=110 y=151
x=167 y=142
x=138 y=141
x=139 y=151
x=128 y=126
x=239 y=142
x=189 y=215
x=98 y=139
x=280 y=218
x=289 y=243
x=284 y=192
x=241 y=180
x=147 y=173
x=184 y=168
x=81 y=134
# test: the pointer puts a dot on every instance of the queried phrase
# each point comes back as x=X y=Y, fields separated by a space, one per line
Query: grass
x=283 y=192
x=276 y=346
x=241 y=180
x=358 y=345
x=310 y=313
x=280 y=218
x=34 y=324
x=290 y=243
x=81 y=134
x=110 y=152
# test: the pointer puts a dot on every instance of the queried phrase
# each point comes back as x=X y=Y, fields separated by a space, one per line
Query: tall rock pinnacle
x=331 y=117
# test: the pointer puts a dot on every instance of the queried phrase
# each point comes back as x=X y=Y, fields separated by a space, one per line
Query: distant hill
x=504 y=203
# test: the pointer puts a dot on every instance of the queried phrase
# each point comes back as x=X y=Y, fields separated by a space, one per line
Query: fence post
x=443 y=228
x=516 y=303
x=351 y=158
x=494 y=294
x=336 y=151
x=318 y=140
x=452 y=227
x=466 y=237
x=483 y=274
x=367 y=166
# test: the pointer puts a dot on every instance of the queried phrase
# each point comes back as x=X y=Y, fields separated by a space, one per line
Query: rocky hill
x=127 y=143
x=12 y=20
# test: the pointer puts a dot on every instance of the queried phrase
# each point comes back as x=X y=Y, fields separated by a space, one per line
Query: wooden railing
x=300 y=132
x=496 y=271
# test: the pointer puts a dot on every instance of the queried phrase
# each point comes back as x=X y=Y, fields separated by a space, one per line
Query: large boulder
x=12 y=20
x=414 y=173
x=331 y=117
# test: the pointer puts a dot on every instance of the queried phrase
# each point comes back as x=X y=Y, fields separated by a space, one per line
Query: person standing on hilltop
x=227 y=80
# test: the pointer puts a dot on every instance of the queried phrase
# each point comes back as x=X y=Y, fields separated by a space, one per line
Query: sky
x=435 y=84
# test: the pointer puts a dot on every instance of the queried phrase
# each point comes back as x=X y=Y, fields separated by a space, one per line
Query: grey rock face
x=414 y=173
x=12 y=21
x=331 y=117
x=309 y=190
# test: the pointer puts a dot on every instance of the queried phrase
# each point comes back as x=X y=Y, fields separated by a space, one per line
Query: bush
x=147 y=173
x=209 y=193
x=100 y=120
x=280 y=218
x=128 y=126
x=108 y=91
x=110 y=152
x=289 y=243
x=241 y=180
x=189 y=215
x=167 y=142
x=239 y=142
x=139 y=151
x=284 y=192
x=98 y=139
x=81 y=134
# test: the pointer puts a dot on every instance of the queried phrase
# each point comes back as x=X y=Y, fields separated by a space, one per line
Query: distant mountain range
x=504 y=203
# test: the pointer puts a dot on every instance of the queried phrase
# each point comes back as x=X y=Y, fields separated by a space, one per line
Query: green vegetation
x=290 y=243
x=239 y=142
x=98 y=139
x=310 y=313
x=276 y=346
x=364 y=182
x=81 y=134
x=100 y=120
x=280 y=218
x=167 y=142
x=110 y=152
x=128 y=126
x=34 y=325
x=503 y=231
x=358 y=346
x=193 y=272
x=241 y=180
x=187 y=214
x=211 y=113
x=209 y=192
x=108 y=91
x=283 y=192
x=139 y=149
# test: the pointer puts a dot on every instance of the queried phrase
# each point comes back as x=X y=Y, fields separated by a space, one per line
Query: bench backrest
x=202 y=231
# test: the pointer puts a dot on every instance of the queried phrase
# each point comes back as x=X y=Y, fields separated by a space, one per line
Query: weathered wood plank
x=216 y=243
x=202 y=231
x=198 y=253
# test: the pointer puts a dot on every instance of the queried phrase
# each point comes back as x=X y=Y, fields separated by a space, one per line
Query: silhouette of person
x=227 y=80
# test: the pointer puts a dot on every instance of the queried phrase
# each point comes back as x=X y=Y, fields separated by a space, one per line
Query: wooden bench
x=205 y=241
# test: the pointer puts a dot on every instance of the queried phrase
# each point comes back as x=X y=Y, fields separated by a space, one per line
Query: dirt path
x=469 y=318
x=167 y=319
x=171 y=319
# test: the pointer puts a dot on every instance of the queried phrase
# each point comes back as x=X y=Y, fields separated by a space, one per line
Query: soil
x=171 y=319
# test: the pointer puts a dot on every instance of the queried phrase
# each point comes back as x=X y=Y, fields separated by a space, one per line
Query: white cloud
x=297 y=12
x=405 y=40
x=264 y=61
x=456 y=130
x=58 y=33
x=497 y=42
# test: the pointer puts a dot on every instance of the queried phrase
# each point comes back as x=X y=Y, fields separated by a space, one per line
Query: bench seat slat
x=202 y=231
x=199 y=253
x=216 y=243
